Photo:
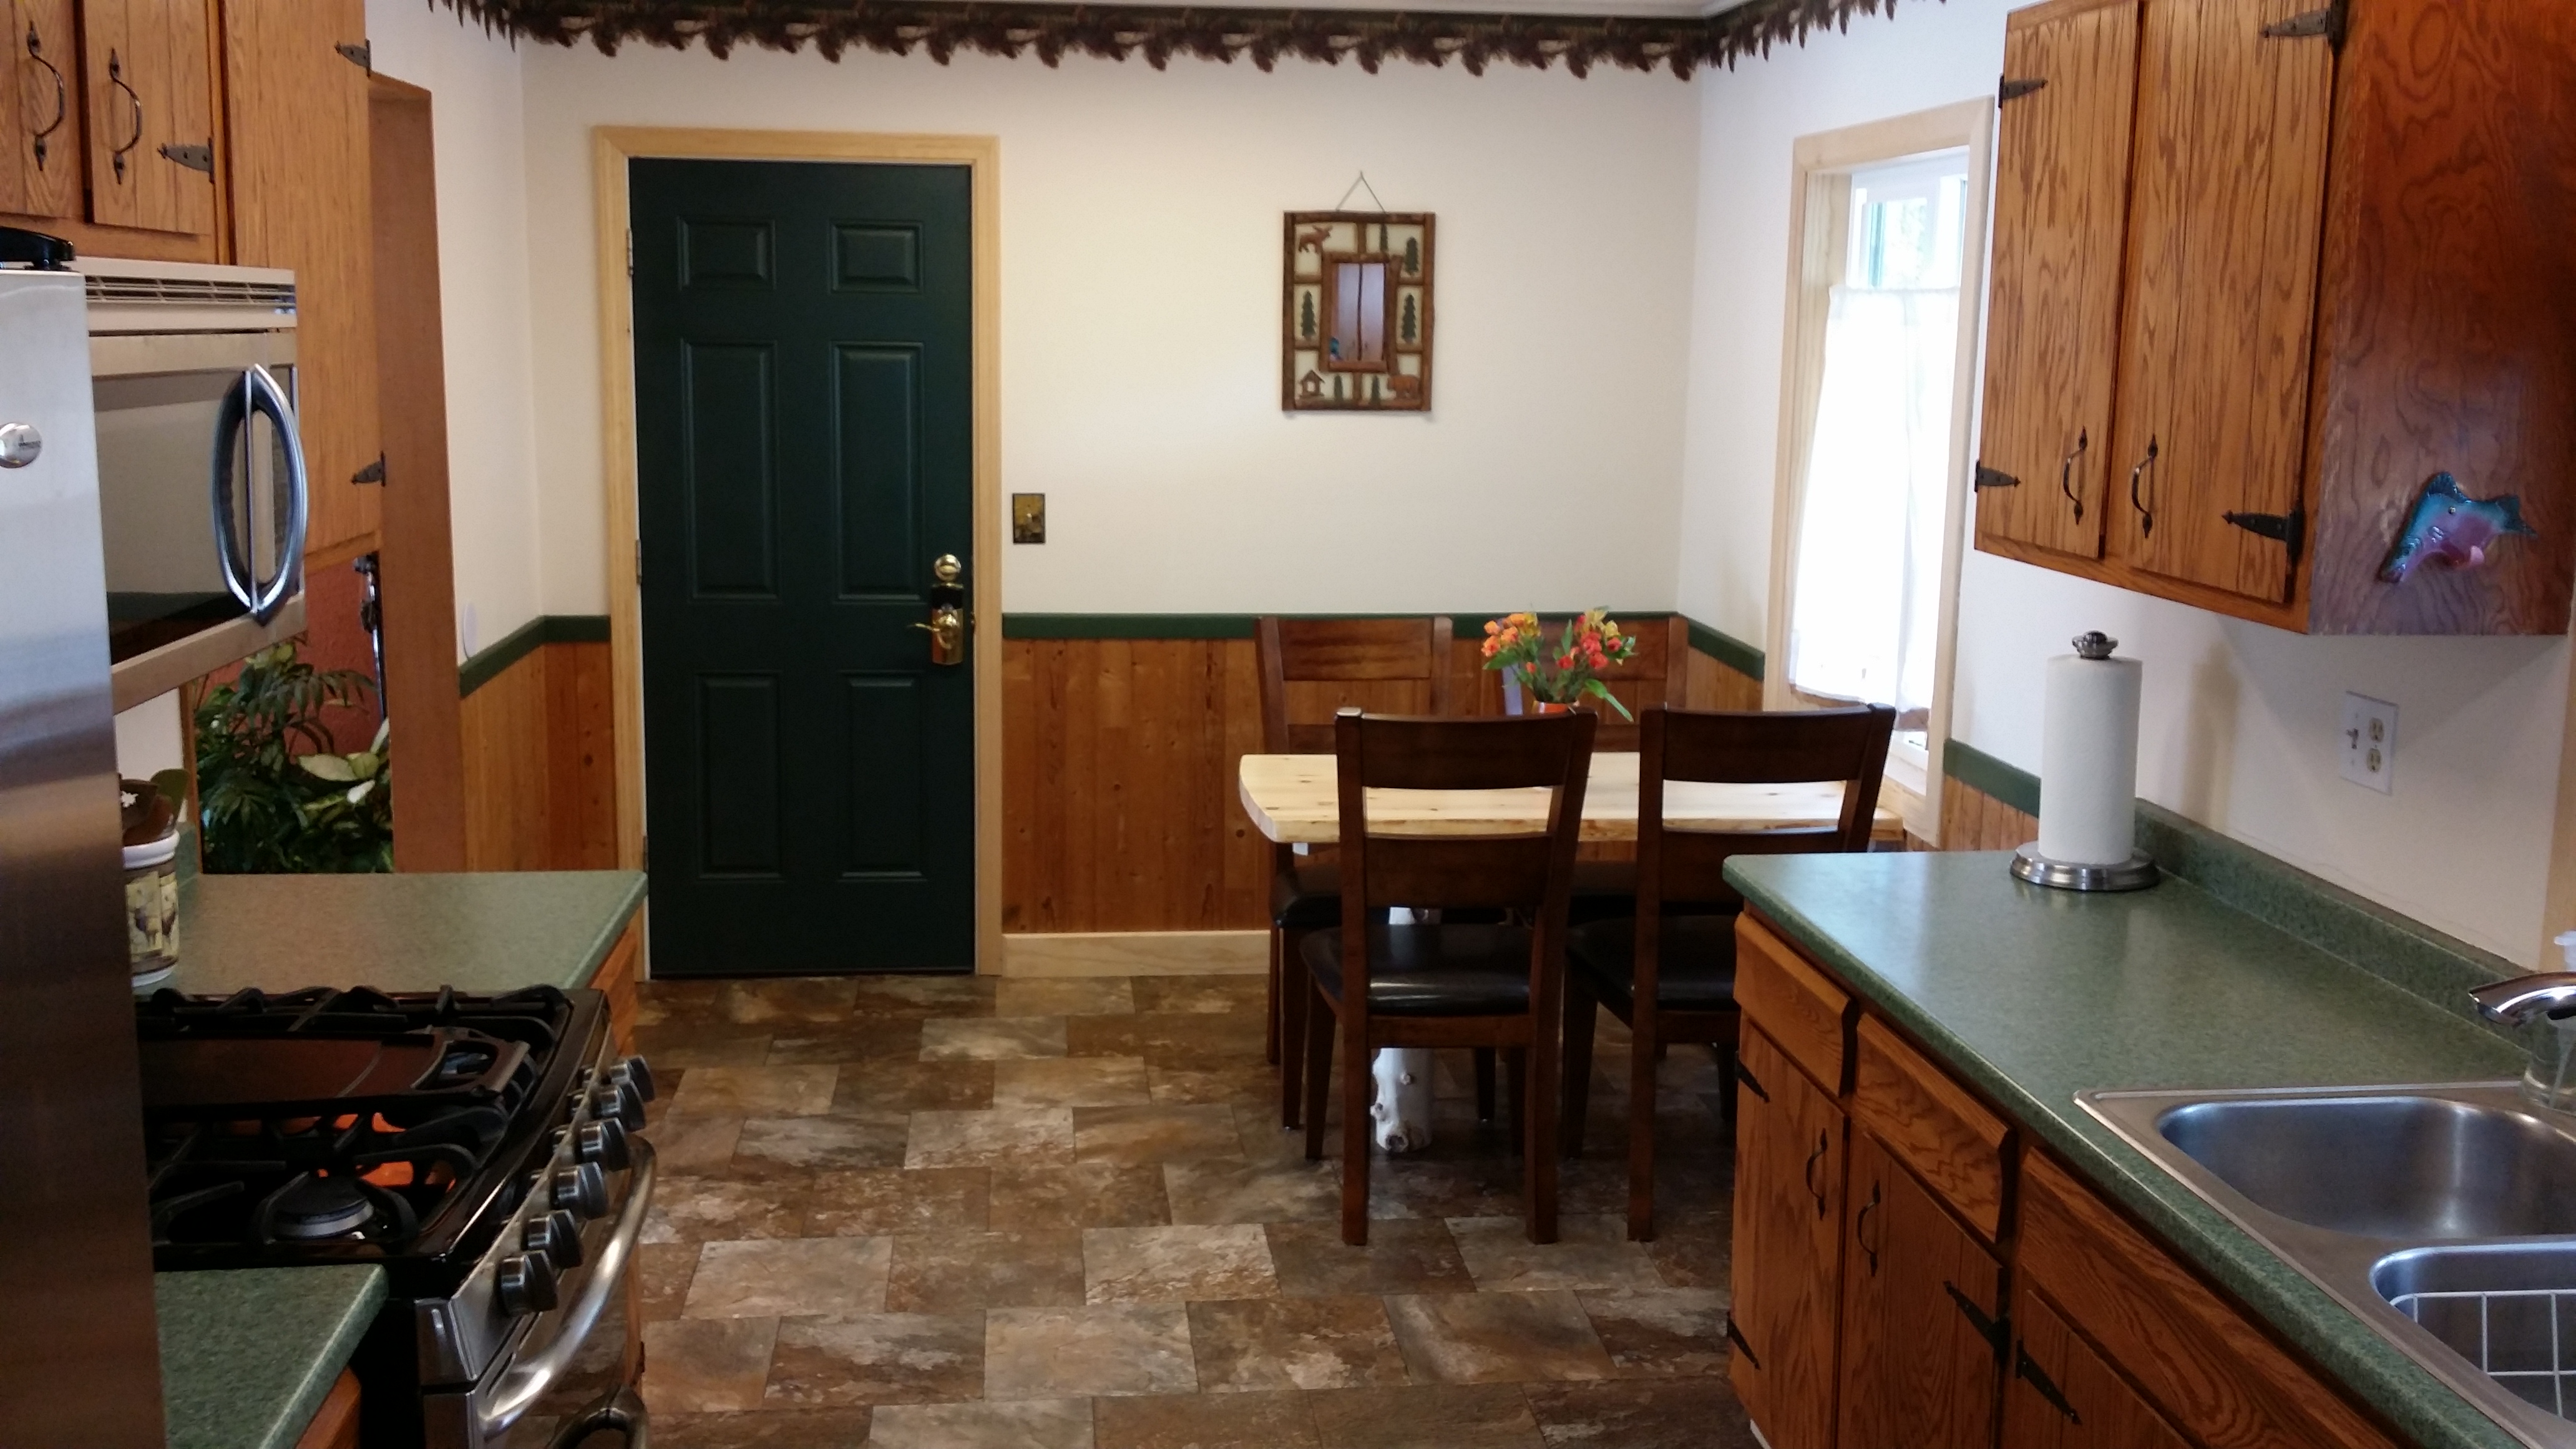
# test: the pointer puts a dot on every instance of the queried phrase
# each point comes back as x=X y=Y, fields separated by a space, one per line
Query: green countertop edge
x=2370 y=1368
x=248 y=1356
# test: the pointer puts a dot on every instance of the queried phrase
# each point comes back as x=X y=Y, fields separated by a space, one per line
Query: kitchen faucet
x=2544 y=1005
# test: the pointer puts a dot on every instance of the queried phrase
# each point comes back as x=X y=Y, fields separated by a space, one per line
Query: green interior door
x=804 y=442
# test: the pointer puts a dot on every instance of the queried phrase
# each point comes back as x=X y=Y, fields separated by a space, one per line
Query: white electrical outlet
x=2369 y=741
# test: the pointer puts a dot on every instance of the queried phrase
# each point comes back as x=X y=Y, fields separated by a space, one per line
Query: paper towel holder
x=2134 y=874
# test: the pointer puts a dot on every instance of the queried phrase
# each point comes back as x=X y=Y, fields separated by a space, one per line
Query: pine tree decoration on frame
x=1356 y=322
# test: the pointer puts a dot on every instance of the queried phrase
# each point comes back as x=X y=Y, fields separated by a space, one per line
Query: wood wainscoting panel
x=1971 y=819
x=1119 y=804
x=540 y=786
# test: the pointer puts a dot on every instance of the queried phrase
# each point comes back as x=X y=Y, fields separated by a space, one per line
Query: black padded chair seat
x=1433 y=970
x=1694 y=970
x=1306 y=897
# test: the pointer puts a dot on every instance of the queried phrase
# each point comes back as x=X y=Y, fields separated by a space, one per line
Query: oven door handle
x=258 y=393
x=527 y=1380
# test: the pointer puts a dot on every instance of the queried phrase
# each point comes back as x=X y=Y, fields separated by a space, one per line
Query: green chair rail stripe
x=1726 y=649
x=1732 y=652
x=486 y=665
x=1977 y=770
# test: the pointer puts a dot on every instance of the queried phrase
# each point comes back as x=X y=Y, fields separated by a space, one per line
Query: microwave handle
x=259 y=393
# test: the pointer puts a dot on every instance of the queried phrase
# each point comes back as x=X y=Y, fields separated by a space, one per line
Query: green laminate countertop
x=247 y=1356
x=487 y=931
x=2032 y=995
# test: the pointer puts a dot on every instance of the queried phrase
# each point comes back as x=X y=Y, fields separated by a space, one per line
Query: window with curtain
x=1865 y=605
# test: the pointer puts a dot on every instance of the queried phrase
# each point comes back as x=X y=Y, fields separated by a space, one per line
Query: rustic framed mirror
x=1356 y=329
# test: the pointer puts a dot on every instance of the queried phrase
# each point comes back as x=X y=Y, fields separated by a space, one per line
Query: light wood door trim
x=2061 y=214
x=611 y=148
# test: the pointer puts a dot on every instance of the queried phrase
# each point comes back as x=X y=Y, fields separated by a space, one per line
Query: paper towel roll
x=2088 y=761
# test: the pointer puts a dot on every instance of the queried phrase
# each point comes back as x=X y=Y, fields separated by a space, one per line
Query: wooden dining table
x=1295 y=800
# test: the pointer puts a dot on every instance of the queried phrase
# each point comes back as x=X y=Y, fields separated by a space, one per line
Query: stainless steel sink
x=2443 y=1216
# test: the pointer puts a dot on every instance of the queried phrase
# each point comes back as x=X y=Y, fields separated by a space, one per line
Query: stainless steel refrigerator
x=79 y=1354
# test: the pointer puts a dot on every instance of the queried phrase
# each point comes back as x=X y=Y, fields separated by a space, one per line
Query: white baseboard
x=1136 y=953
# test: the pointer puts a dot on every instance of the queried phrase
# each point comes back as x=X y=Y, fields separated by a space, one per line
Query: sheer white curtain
x=1869 y=538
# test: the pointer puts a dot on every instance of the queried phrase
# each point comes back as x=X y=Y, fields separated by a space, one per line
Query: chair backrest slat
x=1311 y=668
x=1527 y=871
x=1677 y=867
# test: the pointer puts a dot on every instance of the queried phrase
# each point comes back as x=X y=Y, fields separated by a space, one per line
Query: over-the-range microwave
x=202 y=489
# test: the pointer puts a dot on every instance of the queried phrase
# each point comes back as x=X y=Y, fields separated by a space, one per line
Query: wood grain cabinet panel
x=2060 y=1394
x=2052 y=333
x=2223 y=1382
x=40 y=109
x=1922 y=1326
x=1807 y=1016
x=301 y=194
x=1933 y=1125
x=1789 y=1146
x=149 y=88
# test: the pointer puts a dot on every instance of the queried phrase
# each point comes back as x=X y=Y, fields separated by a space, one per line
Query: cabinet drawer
x=1930 y=1122
x=2217 y=1376
x=1809 y=1016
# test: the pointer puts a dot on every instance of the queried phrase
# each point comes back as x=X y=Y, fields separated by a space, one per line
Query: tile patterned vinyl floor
x=947 y=1213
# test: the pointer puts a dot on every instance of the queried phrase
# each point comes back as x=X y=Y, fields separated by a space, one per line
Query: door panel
x=1788 y=1245
x=148 y=66
x=2061 y=1395
x=2052 y=333
x=1920 y=1296
x=804 y=445
x=2225 y=225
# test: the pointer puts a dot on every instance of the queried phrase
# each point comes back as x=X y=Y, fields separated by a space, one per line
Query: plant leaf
x=335 y=768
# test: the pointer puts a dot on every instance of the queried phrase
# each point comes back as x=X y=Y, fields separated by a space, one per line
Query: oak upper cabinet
x=2061 y=1395
x=2341 y=276
x=149 y=88
x=1788 y=1243
x=40 y=109
x=296 y=100
x=2061 y=207
x=1922 y=1331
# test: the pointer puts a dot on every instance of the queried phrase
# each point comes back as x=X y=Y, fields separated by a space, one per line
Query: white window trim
x=1819 y=205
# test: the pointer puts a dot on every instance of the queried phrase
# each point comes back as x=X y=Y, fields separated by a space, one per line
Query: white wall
x=2239 y=726
x=1140 y=305
x=474 y=80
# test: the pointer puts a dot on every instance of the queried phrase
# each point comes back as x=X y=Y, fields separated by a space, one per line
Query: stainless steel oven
x=202 y=488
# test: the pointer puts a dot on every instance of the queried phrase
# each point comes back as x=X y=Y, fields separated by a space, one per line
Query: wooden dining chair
x=1495 y=985
x=1309 y=669
x=1676 y=982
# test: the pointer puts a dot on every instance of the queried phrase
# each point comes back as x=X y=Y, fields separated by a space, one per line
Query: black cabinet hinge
x=2008 y=90
x=2290 y=528
x=195 y=158
x=1989 y=1327
x=372 y=473
x=1995 y=478
x=1744 y=1075
x=2327 y=23
x=2028 y=1370
x=1735 y=1335
x=362 y=55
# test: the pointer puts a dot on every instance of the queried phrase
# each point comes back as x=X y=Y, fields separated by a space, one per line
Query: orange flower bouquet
x=1567 y=671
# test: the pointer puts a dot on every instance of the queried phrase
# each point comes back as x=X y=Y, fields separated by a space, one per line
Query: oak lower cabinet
x=1922 y=1329
x=1789 y=1137
x=1887 y=1217
x=2259 y=270
x=2061 y=1394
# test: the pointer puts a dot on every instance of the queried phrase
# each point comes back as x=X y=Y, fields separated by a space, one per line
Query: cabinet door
x=151 y=113
x=1788 y=1242
x=2225 y=220
x=1922 y=1312
x=301 y=200
x=40 y=111
x=2061 y=1395
x=2053 y=322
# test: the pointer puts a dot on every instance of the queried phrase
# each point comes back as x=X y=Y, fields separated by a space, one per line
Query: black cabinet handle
x=1807 y=1174
x=1860 y=1224
x=2066 y=472
x=62 y=95
x=116 y=79
x=2146 y=515
x=2028 y=1370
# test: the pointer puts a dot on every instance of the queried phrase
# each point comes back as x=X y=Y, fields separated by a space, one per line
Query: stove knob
x=618 y=1102
x=556 y=1237
x=581 y=1191
x=634 y=1072
x=603 y=1143
x=525 y=1284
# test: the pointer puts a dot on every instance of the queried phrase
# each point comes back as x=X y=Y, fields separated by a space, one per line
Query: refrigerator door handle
x=259 y=393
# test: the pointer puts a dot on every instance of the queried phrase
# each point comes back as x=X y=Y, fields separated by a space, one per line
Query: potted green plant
x=266 y=806
x=1561 y=675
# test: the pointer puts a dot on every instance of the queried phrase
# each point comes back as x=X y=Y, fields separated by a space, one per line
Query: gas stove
x=479 y=1149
